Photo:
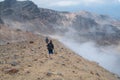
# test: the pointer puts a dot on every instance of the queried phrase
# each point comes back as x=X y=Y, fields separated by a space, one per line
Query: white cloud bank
x=107 y=57
x=68 y=3
x=65 y=3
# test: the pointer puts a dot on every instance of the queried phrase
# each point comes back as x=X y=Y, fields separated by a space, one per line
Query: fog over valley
x=107 y=56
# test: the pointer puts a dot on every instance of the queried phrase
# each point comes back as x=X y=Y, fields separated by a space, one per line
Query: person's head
x=50 y=41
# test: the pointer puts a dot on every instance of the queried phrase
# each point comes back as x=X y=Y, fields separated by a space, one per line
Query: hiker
x=47 y=40
x=50 y=48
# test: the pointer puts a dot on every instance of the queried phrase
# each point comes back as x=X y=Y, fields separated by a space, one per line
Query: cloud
x=95 y=2
x=65 y=3
x=107 y=57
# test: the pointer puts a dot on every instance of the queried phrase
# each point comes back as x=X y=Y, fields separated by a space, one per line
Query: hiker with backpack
x=50 y=48
x=47 y=40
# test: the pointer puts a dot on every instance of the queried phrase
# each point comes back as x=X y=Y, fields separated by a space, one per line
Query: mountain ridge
x=32 y=18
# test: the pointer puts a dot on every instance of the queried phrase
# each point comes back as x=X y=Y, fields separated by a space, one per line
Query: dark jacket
x=50 y=46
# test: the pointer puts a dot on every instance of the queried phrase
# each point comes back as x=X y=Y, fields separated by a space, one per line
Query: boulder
x=10 y=70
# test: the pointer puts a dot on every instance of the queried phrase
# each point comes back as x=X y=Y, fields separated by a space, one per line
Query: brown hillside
x=29 y=60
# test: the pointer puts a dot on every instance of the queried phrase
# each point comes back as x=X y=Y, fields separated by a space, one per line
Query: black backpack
x=50 y=46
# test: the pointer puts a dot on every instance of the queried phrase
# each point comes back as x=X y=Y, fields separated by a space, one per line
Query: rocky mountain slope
x=28 y=60
x=25 y=15
x=23 y=55
x=8 y=35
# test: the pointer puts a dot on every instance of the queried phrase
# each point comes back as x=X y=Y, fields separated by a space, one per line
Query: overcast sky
x=108 y=7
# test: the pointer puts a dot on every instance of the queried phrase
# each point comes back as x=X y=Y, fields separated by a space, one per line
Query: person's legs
x=49 y=52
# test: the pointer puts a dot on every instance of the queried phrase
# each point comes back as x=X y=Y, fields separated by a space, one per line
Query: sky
x=107 y=7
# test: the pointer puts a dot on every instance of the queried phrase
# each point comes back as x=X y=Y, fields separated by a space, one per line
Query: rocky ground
x=28 y=60
x=8 y=35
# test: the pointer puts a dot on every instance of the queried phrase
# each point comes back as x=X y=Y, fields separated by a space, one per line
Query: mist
x=106 y=56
